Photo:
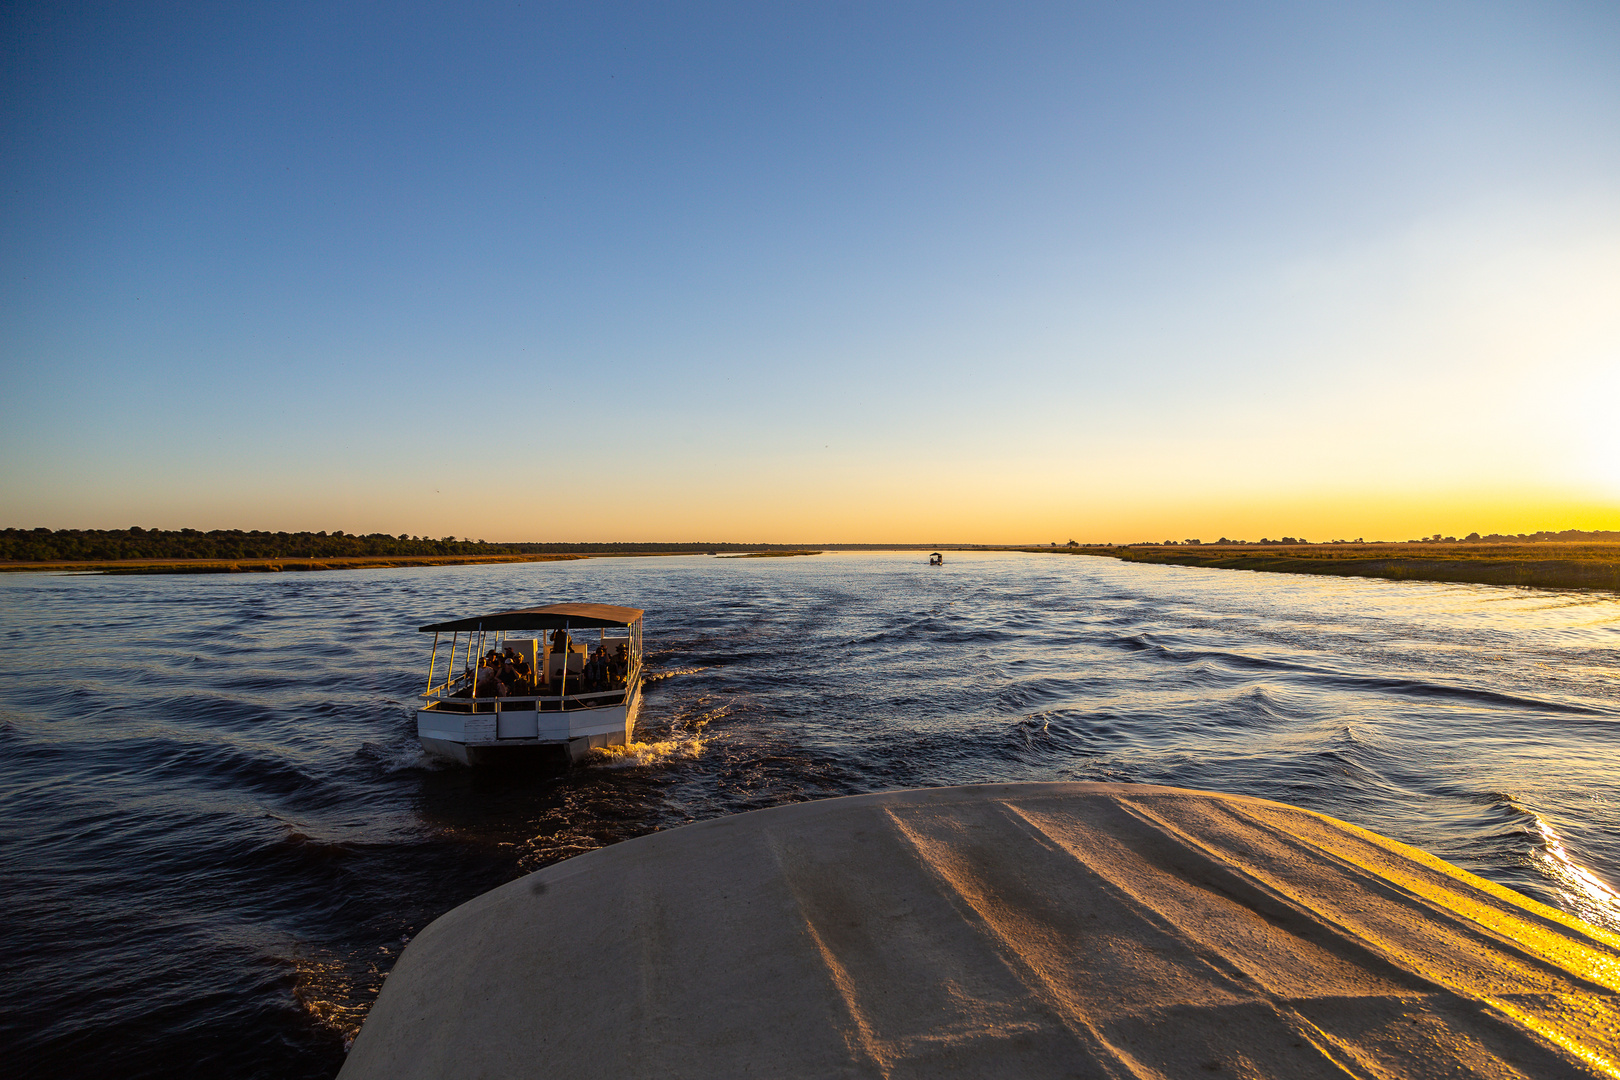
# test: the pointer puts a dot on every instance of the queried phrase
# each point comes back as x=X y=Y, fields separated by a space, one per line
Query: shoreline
x=1542 y=565
x=269 y=566
x=1547 y=565
x=341 y=562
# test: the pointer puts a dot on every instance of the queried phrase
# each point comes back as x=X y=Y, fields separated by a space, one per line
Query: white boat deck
x=1020 y=930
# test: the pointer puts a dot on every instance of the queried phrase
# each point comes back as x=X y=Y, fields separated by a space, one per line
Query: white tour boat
x=580 y=690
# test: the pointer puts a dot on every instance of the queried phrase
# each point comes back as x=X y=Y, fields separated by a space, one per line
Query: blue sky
x=812 y=272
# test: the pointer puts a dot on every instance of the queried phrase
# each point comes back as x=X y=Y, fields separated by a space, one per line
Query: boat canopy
x=551 y=617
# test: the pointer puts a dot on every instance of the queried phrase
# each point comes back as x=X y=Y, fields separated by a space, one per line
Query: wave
x=221 y=820
x=660 y=676
x=635 y=755
x=1387 y=684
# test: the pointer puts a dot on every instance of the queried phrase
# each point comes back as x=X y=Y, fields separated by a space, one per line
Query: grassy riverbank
x=1547 y=565
x=1573 y=565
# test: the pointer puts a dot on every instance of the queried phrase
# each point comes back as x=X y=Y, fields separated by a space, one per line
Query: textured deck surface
x=1029 y=930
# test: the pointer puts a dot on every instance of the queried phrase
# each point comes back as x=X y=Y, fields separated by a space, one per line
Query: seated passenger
x=506 y=663
x=511 y=680
x=489 y=684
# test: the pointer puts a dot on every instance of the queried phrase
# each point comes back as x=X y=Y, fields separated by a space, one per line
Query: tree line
x=97 y=545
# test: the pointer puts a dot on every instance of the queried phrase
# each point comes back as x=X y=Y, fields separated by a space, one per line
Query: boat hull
x=520 y=734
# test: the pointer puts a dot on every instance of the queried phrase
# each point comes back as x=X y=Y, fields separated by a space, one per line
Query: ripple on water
x=217 y=829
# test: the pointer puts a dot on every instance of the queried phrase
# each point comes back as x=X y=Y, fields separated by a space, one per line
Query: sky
x=812 y=272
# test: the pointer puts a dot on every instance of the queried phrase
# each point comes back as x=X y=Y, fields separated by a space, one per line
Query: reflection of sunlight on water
x=547 y=848
x=1582 y=891
x=660 y=676
x=336 y=994
x=636 y=754
x=1405 y=707
x=628 y=781
x=687 y=738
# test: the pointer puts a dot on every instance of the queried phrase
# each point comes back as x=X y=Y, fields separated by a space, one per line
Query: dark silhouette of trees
x=106 y=545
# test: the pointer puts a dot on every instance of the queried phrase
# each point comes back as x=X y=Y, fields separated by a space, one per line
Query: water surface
x=217 y=831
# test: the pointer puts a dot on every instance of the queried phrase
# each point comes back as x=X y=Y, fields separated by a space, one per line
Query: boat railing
x=445 y=697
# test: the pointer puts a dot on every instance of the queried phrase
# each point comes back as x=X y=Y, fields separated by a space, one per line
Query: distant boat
x=936 y=559
x=573 y=698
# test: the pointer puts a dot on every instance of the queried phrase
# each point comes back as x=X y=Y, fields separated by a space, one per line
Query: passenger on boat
x=489 y=682
x=514 y=680
x=523 y=672
x=596 y=670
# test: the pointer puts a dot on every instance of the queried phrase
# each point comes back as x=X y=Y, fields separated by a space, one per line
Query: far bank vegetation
x=1572 y=559
x=239 y=546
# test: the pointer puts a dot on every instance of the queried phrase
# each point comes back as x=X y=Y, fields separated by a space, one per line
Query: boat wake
x=336 y=994
x=1582 y=892
x=639 y=754
x=660 y=676
x=220 y=819
x=685 y=739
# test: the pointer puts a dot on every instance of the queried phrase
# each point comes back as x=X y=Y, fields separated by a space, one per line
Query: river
x=217 y=830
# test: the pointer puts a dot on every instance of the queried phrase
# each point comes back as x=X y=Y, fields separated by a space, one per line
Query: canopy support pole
x=432 y=659
x=562 y=692
x=478 y=659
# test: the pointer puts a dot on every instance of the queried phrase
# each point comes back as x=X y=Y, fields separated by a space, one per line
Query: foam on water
x=638 y=754
x=1580 y=890
x=216 y=824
